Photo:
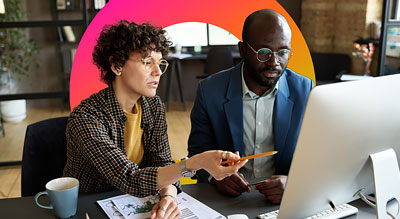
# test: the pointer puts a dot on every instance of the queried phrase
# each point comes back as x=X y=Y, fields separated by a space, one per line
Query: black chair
x=329 y=66
x=44 y=155
x=218 y=58
x=2 y=125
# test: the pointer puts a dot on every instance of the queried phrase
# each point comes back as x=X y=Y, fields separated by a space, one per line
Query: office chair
x=44 y=155
x=329 y=66
x=2 y=125
x=218 y=58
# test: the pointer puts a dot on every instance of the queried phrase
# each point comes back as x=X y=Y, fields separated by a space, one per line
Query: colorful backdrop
x=227 y=14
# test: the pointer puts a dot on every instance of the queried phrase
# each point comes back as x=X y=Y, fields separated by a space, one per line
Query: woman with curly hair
x=117 y=138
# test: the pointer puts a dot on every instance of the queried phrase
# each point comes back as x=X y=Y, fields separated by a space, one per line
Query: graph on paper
x=130 y=207
x=133 y=207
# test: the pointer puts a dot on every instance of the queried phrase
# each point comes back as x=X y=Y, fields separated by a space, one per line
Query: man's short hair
x=252 y=17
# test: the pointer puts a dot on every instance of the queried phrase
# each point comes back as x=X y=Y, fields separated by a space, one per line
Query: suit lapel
x=234 y=107
x=282 y=115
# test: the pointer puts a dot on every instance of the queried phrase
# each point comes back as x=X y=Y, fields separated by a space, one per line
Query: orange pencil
x=251 y=157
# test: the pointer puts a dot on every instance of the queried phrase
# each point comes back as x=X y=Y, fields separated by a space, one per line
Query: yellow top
x=133 y=134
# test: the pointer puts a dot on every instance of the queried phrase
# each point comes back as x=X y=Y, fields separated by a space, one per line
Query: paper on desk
x=127 y=206
x=191 y=207
x=109 y=208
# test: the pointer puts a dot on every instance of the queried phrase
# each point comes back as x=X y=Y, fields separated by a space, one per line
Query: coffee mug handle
x=37 y=202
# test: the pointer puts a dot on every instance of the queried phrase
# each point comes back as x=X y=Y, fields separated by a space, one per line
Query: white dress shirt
x=258 y=135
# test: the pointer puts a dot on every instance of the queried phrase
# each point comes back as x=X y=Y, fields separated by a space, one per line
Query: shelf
x=10 y=163
x=30 y=96
x=66 y=43
x=70 y=10
x=74 y=19
x=393 y=23
x=22 y=24
x=385 y=65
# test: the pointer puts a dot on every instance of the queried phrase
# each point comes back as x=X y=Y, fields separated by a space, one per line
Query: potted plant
x=17 y=56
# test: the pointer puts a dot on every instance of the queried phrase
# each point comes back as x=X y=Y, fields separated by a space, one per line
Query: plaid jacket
x=95 y=146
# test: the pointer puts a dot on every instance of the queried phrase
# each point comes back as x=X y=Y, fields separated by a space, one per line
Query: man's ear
x=242 y=49
x=117 y=70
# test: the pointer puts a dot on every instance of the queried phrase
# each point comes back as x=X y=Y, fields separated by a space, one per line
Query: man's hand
x=233 y=185
x=272 y=188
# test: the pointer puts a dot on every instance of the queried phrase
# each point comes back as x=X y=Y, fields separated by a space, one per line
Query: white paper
x=187 y=203
x=109 y=208
x=130 y=207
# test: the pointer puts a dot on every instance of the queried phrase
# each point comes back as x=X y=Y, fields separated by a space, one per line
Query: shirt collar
x=250 y=93
x=116 y=109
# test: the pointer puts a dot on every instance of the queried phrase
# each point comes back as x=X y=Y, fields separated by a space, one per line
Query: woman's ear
x=117 y=70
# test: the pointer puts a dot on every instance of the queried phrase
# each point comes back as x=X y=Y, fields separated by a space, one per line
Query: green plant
x=17 y=51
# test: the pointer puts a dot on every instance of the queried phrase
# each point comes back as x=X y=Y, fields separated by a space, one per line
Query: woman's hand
x=211 y=162
x=166 y=208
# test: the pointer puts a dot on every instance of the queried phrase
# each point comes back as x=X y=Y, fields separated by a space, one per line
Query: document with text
x=127 y=206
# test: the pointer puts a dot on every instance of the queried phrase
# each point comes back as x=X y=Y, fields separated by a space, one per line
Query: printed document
x=127 y=206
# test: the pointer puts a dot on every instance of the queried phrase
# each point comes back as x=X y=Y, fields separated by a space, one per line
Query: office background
x=330 y=28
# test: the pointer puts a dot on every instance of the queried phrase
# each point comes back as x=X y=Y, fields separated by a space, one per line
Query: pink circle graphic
x=227 y=14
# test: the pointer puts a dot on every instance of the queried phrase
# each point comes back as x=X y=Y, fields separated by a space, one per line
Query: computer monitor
x=219 y=36
x=188 y=34
x=343 y=124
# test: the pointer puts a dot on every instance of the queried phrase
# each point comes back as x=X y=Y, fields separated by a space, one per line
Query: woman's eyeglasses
x=149 y=63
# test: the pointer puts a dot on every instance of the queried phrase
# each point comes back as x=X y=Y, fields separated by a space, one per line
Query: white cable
x=362 y=196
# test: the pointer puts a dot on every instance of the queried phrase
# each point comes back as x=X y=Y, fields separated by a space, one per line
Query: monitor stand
x=387 y=181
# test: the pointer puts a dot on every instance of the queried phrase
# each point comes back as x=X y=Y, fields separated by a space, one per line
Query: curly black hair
x=117 y=42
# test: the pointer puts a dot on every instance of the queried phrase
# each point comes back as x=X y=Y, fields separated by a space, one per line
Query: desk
x=175 y=68
x=251 y=204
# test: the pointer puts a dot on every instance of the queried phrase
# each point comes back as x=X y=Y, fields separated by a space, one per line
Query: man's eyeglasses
x=149 y=63
x=264 y=54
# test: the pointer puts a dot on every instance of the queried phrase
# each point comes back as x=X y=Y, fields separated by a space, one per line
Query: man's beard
x=257 y=75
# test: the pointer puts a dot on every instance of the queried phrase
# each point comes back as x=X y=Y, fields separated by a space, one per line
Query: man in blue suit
x=254 y=107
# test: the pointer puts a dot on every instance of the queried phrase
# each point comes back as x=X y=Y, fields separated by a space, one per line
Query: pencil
x=251 y=157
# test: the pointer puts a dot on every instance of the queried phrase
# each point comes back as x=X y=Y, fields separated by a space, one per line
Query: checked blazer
x=95 y=146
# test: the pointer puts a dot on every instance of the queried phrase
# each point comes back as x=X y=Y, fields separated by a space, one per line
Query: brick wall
x=332 y=26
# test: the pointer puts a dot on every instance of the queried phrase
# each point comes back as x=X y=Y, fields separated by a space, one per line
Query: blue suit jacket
x=217 y=114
